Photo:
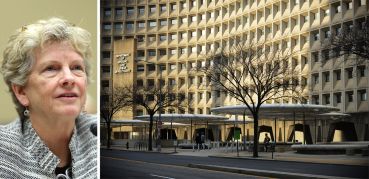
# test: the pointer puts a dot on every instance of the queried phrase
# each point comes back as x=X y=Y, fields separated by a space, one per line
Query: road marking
x=161 y=176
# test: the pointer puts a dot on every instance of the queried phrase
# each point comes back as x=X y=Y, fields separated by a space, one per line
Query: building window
x=326 y=12
x=163 y=7
x=173 y=21
x=337 y=97
x=183 y=20
x=326 y=76
x=140 y=68
x=172 y=81
x=315 y=56
x=325 y=55
x=152 y=23
x=130 y=11
x=129 y=25
x=107 y=12
x=190 y=96
x=141 y=24
x=162 y=52
x=362 y=2
x=191 y=80
x=152 y=53
x=182 y=66
x=106 y=69
x=315 y=78
x=118 y=13
x=350 y=96
x=139 y=83
x=140 y=53
x=152 y=8
x=162 y=37
x=172 y=66
x=107 y=26
x=141 y=10
x=361 y=71
x=193 y=18
x=106 y=40
x=327 y=34
x=363 y=95
x=315 y=99
x=173 y=36
x=349 y=5
x=163 y=22
x=173 y=51
x=183 y=5
x=106 y=55
x=338 y=8
x=173 y=6
x=326 y=98
x=183 y=50
x=316 y=36
x=118 y=26
x=151 y=67
x=349 y=73
x=337 y=74
x=150 y=97
x=150 y=82
x=162 y=67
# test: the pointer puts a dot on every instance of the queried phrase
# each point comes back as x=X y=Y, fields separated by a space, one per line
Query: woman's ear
x=20 y=94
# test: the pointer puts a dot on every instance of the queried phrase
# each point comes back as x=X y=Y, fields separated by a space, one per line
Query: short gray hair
x=19 y=54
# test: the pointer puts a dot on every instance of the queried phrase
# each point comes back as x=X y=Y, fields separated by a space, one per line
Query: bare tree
x=110 y=105
x=252 y=74
x=154 y=99
x=351 y=39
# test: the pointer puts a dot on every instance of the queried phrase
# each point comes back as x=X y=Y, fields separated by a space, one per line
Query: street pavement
x=124 y=168
x=283 y=165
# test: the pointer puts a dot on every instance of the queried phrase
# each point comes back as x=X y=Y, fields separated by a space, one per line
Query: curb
x=267 y=159
x=263 y=173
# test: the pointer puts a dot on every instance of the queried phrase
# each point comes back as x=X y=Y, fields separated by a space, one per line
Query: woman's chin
x=70 y=112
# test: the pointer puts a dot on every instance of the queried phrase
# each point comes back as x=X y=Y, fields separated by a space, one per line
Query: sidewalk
x=357 y=159
x=353 y=160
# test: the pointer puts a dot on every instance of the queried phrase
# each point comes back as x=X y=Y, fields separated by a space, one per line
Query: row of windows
x=337 y=74
x=194 y=21
x=172 y=81
x=295 y=41
x=153 y=9
x=191 y=110
x=362 y=95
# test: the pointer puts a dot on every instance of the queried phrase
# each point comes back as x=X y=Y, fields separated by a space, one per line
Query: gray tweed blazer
x=26 y=156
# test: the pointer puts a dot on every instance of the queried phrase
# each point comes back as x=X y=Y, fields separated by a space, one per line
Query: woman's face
x=57 y=83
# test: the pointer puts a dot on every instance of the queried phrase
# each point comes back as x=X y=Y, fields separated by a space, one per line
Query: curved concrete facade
x=178 y=34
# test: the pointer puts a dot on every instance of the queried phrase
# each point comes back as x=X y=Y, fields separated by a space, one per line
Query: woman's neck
x=56 y=134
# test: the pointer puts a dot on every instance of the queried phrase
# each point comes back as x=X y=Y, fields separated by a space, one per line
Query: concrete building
x=176 y=35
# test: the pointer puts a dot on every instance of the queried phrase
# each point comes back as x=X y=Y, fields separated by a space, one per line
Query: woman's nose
x=67 y=78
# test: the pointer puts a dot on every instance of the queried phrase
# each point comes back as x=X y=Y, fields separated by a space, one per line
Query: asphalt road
x=123 y=168
x=176 y=160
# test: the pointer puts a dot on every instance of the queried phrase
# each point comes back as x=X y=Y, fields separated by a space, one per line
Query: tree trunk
x=109 y=135
x=256 y=136
x=150 y=132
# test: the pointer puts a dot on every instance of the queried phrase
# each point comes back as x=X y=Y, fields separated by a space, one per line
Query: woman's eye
x=78 y=68
x=50 y=68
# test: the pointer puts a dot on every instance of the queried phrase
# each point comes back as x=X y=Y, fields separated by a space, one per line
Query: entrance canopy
x=280 y=111
x=184 y=118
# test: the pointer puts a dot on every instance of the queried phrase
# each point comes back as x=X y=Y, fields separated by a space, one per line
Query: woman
x=46 y=68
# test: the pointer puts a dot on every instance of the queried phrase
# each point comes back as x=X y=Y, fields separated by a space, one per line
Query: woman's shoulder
x=87 y=122
x=10 y=137
x=11 y=130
